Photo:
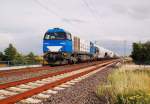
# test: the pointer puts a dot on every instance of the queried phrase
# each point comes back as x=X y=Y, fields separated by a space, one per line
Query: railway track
x=73 y=68
x=23 y=70
x=5 y=73
x=33 y=90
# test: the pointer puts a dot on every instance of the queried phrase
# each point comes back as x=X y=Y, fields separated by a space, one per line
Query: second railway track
x=12 y=72
x=34 y=89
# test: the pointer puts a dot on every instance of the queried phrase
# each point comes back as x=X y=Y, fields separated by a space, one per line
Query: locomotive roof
x=56 y=30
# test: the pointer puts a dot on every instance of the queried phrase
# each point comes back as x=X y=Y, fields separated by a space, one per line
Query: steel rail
x=15 y=83
x=29 y=93
x=24 y=70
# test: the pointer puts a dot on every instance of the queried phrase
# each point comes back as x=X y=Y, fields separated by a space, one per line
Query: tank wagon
x=61 y=47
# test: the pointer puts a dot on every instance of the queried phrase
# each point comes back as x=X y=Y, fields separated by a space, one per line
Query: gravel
x=26 y=75
x=83 y=92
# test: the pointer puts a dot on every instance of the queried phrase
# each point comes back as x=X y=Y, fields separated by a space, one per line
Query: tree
x=147 y=52
x=141 y=52
x=10 y=52
x=14 y=57
x=20 y=59
x=2 y=56
x=31 y=58
x=39 y=59
x=137 y=51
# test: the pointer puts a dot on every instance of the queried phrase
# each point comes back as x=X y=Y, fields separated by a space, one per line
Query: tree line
x=141 y=53
x=12 y=56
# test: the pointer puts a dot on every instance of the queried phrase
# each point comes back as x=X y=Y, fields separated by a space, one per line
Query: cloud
x=73 y=20
x=135 y=9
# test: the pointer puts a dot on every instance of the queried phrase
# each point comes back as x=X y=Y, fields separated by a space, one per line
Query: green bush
x=141 y=53
x=137 y=97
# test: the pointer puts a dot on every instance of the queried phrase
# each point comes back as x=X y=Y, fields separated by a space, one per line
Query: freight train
x=61 y=47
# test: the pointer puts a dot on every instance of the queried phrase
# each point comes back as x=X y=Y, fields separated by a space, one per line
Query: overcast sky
x=24 y=22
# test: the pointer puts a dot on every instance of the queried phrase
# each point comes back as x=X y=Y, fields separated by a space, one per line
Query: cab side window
x=69 y=36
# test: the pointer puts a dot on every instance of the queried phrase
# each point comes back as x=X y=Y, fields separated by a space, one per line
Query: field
x=127 y=85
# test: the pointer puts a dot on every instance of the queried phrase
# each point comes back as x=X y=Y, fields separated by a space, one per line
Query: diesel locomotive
x=61 y=47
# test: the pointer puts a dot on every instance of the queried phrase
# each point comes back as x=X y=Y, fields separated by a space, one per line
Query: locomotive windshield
x=55 y=36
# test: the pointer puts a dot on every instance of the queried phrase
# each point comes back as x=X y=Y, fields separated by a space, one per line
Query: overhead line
x=46 y=8
x=53 y=12
x=90 y=9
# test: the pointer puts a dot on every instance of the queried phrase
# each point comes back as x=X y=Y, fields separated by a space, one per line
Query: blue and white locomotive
x=61 y=47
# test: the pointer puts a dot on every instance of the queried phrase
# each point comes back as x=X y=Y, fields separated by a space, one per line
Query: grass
x=126 y=86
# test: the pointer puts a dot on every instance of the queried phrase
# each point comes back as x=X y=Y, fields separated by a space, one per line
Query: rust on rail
x=29 y=93
x=15 y=83
x=23 y=70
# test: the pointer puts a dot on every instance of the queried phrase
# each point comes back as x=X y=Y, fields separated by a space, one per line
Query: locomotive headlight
x=61 y=48
x=65 y=54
